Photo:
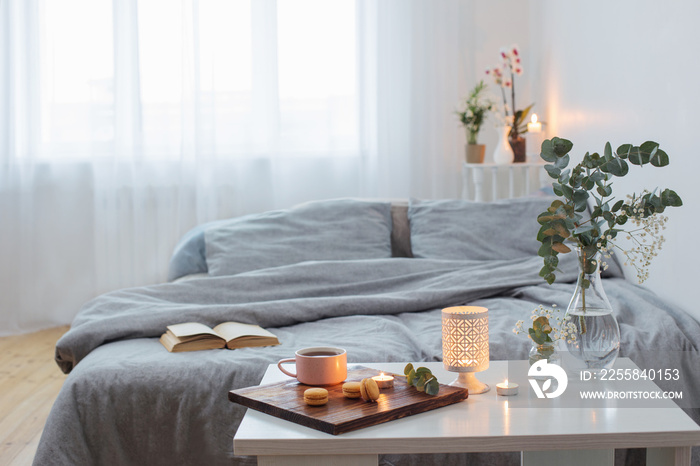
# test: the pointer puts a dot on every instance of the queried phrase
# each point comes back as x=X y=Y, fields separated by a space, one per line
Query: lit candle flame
x=533 y=119
x=506 y=382
x=381 y=375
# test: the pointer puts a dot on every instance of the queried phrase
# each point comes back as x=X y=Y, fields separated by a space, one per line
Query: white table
x=549 y=431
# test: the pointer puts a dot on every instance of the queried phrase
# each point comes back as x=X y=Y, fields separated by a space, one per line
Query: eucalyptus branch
x=564 y=219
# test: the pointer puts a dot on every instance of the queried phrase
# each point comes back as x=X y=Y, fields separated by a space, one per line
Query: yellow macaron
x=351 y=389
x=369 y=390
x=316 y=396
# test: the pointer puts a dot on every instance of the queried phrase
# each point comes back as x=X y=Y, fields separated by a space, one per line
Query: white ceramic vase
x=503 y=155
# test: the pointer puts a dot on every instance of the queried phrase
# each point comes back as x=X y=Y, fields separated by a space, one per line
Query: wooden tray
x=285 y=400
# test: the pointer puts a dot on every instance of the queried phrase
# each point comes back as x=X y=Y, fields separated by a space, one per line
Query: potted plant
x=516 y=120
x=473 y=116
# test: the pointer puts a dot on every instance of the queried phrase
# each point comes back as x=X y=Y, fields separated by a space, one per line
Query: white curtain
x=125 y=123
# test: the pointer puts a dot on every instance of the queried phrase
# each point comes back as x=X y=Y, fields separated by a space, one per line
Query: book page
x=189 y=329
x=232 y=330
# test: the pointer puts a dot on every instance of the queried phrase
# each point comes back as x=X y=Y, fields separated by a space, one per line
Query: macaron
x=351 y=389
x=316 y=396
x=369 y=390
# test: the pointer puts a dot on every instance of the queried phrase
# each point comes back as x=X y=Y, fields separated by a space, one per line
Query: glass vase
x=547 y=350
x=597 y=336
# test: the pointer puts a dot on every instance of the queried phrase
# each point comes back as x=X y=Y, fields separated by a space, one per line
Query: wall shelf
x=490 y=182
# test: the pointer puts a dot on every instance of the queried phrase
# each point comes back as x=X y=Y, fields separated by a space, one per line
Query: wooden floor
x=29 y=383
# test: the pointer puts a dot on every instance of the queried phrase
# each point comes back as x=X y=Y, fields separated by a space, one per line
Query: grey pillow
x=189 y=256
x=342 y=229
x=458 y=229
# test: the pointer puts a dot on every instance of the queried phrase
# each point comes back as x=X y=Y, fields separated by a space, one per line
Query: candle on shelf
x=535 y=136
x=384 y=381
x=534 y=126
x=507 y=389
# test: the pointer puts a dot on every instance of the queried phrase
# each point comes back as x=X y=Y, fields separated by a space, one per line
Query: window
x=212 y=78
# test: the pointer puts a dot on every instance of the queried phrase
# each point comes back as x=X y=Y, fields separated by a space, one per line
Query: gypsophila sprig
x=647 y=237
x=548 y=325
x=638 y=217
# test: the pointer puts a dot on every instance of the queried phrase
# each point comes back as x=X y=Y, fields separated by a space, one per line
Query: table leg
x=568 y=457
x=319 y=460
x=678 y=456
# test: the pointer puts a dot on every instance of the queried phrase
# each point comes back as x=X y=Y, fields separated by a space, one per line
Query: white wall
x=627 y=71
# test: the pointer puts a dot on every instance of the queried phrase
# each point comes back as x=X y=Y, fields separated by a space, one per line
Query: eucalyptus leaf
x=636 y=156
x=660 y=159
x=545 y=218
x=553 y=171
x=432 y=387
x=407 y=369
x=598 y=175
x=648 y=149
x=540 y=234
x=561 y=229
x=567 y=191
x=583 y=229
x=616 y=166
x=624 y=150
x=670 y=198
x=561 y=248
x=410 y=377
x=544 y=271
x=547 y=151
x=555 y=205
x=590 y=160
x=562 y=162
x=607 y=153
x=551 y=261
x=604 y=190
x=561 y=146
x=580 y=199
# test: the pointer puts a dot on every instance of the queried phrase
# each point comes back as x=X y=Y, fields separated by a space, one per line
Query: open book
x=193 y=336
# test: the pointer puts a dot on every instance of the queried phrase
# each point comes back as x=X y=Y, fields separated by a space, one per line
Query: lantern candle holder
x=465 y=345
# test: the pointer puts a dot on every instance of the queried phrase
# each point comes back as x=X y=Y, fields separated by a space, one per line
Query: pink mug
x=320 y=365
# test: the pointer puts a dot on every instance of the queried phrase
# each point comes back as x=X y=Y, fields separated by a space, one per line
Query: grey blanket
x=128 y=401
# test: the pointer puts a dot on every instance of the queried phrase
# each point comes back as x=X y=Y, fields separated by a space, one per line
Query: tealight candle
x=507 y=389
x=384 y=381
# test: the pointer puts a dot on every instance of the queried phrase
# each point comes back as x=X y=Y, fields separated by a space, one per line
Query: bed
x=367 y=276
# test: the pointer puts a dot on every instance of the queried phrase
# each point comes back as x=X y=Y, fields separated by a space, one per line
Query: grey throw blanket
x=129 y=401
x=305 y=292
